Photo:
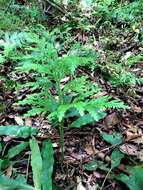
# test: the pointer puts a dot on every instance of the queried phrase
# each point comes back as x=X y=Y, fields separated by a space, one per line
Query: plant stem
x=61 y=130
x=101 y=188
x=61 y=123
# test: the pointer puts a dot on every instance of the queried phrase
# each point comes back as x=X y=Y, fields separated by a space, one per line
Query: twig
x=128 y=48
x=4 y=149
x=27 y=169
x=108 y=148
x=57 y=6
x=101 y=188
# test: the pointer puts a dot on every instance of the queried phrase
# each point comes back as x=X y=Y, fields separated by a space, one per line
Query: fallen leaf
x=111 y=120
x=137 y=109
x=89 y=150
x=19 y=120
x=131 y=136
x=9 y=171
x=138 y=140
x=28 y=122
x=94 y=187
x=129 y=149
x=80 y=187
x=140 y=155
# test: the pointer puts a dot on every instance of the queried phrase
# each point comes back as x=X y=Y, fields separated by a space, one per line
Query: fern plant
x=57 y=89
x=14 y=16
x=120 y=75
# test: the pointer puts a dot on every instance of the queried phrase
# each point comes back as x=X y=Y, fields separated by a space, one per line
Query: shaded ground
x=86 y=144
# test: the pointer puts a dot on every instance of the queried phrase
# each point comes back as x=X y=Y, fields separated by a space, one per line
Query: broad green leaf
x=135 y=180
x=87 y=119
x=4 y=164
x=91 y=166
x=115 y=138
x=21 y=178
x=36 y=163
x=94 y=164
x=83 y=120
x=17 y=149
x=48 y=162
x=11 y=184
x=18 y=131
x=96 y=114
x=116 y=158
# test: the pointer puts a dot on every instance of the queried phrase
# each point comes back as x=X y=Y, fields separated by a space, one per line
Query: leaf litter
x=91 y=151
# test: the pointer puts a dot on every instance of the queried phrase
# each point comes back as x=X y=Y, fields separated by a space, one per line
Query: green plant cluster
x=57 y=90
x=42 y=172
x=15 y=16
x=53 y=61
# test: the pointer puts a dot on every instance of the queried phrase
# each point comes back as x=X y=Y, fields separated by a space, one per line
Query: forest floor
x=89 y=151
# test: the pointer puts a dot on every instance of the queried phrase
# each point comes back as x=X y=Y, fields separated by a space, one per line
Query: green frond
x=48 y=70
x=34 y=112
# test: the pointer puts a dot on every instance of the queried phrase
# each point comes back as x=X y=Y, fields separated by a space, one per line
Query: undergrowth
x=64 y=48
x=57 y=90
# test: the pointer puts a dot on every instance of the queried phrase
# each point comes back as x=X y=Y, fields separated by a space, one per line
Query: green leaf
x=0 y=147
x=4 y=164
x=11 y=184
x=36 y=163
x=21 y=178
x=62 y=110
x=18 y=131
x=48 y=162
x=17 y=149
x=116 y=158
x=87 y=119
x=94 y=164
x=115 y=138
x=83 y=120
x=135 y=180
x=96 y=114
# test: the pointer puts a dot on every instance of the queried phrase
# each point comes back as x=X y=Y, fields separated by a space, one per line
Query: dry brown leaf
x=89 y=150
x=111 y=120
x=80 y=186
x=9 y=171
x=93 y=187
x=137 y=109
x=129 y=149
x=140 y=155
x=138 y=140
x=133 y=137
x=28 y=122
x=19 y=120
